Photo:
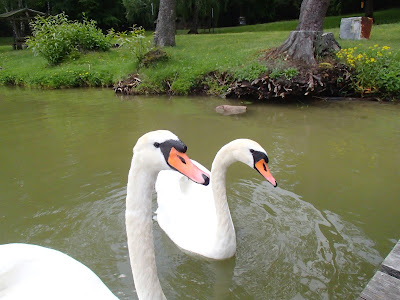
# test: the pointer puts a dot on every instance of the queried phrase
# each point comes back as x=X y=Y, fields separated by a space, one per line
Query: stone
x=231 y=109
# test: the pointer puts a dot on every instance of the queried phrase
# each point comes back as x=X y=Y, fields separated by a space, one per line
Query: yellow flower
x=376 y=45
x=372 y=59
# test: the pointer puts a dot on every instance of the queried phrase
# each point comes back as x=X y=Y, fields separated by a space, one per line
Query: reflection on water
x=65 y=155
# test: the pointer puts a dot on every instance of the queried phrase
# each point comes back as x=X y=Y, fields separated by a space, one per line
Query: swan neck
x=220 y=165
x=140 y=231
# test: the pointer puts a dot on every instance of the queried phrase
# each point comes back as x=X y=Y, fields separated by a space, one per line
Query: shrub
x=136 y=42
x=376 y=70
x=55 y=37
x=86 y=36
x=51 y=38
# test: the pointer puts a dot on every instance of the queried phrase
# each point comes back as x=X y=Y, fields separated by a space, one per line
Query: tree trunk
x=308 y=40
x=195 y=24
x=369 y=8
x=165 y=29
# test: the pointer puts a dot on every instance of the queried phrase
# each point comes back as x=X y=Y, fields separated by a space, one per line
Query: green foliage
x=186 y=8
x=51 y=38
x=181 y=86
x=86 y=36
x=142 y=12
x=250 y=71
x=288 y=73
x=7 y=78
x=135 y=40
x=56 y=37
x=376 y=69
x=216 y=83
x=94 y=69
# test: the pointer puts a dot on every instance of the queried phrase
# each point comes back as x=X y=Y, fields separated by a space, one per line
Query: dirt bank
x=327 y=79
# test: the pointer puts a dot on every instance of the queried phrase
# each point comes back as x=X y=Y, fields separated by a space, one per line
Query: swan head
x=252 y=154
x=162 y=150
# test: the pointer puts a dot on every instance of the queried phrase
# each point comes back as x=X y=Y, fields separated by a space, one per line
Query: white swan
x=34 y=272
x=197 y=218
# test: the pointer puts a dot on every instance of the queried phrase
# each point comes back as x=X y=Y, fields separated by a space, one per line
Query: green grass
x=192 y=58
x=91 y=69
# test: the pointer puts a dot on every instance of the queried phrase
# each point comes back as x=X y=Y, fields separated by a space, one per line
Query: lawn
x=192 y=58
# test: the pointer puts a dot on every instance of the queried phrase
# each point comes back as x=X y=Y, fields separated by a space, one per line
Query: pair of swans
x=34 y=272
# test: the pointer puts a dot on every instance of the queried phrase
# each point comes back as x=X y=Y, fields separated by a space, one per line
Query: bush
x=377 y=71
x=55 y=37
x=86 y=36
x=136 y=42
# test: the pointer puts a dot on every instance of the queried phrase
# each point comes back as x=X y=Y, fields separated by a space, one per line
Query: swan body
x=197 y=218
x=35 y=272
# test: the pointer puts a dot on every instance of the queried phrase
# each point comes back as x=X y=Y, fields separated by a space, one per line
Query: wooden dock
x=385 y=284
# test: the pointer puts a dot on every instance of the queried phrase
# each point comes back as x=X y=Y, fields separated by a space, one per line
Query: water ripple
x=282 y=238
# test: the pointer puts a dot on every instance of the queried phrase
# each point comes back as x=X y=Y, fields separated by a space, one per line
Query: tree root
x=305 y=46
x=321 y=81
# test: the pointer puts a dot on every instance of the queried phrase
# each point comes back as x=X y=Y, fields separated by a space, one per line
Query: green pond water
x=321 y=234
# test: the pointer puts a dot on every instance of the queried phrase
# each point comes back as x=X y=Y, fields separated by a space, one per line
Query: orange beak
x=262 y=167
x=182 y=163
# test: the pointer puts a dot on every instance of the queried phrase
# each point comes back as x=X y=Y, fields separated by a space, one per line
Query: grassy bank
x=194 y=56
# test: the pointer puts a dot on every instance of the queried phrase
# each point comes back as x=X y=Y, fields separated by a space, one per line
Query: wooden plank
x=385 y=284
x=382 y=286
x=391 y=265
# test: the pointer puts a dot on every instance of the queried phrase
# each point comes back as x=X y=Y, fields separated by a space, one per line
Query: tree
x=195 y=23
x=141 y=12
x=192 y=13
x=165 y=29
x=308 y=40
x=369 y=8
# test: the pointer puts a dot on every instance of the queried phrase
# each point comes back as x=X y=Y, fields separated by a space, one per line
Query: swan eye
x=251 y=151
x=157 y=145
